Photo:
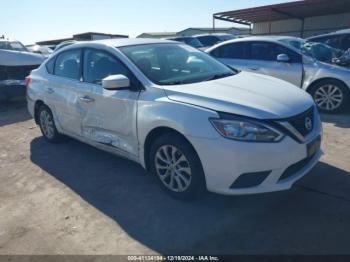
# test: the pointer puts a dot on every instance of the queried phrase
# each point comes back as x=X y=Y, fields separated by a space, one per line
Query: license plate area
x=313 y=147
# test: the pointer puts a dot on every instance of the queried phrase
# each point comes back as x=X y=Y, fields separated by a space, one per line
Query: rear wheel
x=177 y=167
x=331 y=96
x=47 y=124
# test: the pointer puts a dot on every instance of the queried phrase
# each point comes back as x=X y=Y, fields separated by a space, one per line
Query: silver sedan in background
x=288 y=58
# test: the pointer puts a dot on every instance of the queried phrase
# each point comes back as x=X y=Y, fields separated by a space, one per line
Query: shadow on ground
x=304 y=220
x=13 y=112
x=340 y=120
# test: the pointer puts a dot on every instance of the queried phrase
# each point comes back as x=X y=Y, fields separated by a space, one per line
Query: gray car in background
x=209 y=40
x=339 y=39
x=287 y=58
x=189 y=40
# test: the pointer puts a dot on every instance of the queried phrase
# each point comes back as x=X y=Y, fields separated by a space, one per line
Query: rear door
x=263 y=60
x=111 y=118
x=65 y=92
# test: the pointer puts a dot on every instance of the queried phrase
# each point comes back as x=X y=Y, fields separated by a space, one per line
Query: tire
x=47 y=125
x=188 y=177
x=331 y=96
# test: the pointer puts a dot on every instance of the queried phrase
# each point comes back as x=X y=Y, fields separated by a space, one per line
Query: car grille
x=16 y=72
x=298 y=122
x=299 y=126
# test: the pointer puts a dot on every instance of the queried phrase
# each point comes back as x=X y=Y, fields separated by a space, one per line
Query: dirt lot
x=73 y=199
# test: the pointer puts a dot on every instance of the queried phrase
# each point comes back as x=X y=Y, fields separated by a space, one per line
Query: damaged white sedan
x=190 y=120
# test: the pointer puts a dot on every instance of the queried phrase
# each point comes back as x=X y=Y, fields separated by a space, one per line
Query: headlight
x=246 y=130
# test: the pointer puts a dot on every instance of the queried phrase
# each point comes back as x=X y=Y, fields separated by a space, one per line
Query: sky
x=31 y=21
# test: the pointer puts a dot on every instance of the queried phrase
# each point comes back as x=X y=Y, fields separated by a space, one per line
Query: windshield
x=319 y=51
x=174 y=64
x=12 y=45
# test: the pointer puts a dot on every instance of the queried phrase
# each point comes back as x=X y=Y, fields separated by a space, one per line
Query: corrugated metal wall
x=313 y=25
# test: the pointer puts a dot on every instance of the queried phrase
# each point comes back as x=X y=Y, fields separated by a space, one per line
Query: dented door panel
x=111 y=120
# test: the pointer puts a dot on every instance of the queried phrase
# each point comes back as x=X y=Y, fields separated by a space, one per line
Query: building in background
x=89 y=36
x=200 y=30
x=191 y=31
x=158 y=35
x=300 y=18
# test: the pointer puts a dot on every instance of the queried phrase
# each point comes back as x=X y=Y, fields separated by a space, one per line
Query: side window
x=345 y=42
x=232 y=51
x=263 y=51
x=98 y=65
x=68 y=64
x=50 y=65
x=294 y=57
x=319 y=39
x=269 y=51
x=333 y=41
x=208 y=40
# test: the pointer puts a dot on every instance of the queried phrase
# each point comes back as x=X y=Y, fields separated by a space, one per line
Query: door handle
x=254 y=68
x=86 y=99
x=50 y=90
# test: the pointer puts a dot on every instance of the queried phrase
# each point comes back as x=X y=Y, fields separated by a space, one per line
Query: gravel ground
x=71 y=198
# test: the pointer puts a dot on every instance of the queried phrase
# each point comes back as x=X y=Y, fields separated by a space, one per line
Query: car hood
x=15 y=58
x=247 y=94
x=333 y=67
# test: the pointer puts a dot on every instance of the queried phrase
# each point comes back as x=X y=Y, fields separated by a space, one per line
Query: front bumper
x=10 y=89
x=282 y=164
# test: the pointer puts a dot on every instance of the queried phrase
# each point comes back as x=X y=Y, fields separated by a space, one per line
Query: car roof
x=177 y=37
x=8 y=40
x=116 y=43
x=213 y=34
x=270 y=38
x=339 y=32
x=131 y=41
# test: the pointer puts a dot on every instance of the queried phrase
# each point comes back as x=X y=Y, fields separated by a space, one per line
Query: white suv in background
x=190 y=120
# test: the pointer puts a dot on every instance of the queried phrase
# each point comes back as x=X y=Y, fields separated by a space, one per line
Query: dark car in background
x=209 y=40
x=339 y=39
x=189 y=40
x=16 y=62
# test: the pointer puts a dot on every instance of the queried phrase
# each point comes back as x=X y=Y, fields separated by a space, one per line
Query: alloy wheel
x=329 y=97
x=173 y=168
x=46 y=123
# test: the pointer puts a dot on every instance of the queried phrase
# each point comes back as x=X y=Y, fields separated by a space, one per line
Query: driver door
x=111 y=118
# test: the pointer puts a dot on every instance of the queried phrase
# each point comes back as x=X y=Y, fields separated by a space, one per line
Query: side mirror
x=114 y=82
x=283 y=58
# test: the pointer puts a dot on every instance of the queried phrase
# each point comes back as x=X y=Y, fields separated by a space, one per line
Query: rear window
x=50 y=65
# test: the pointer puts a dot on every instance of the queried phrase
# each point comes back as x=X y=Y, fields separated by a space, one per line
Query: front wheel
x=331 y=96
x=177 y=167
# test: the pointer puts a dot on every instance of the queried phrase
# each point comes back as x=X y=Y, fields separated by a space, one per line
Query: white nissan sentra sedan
x=190 y=120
